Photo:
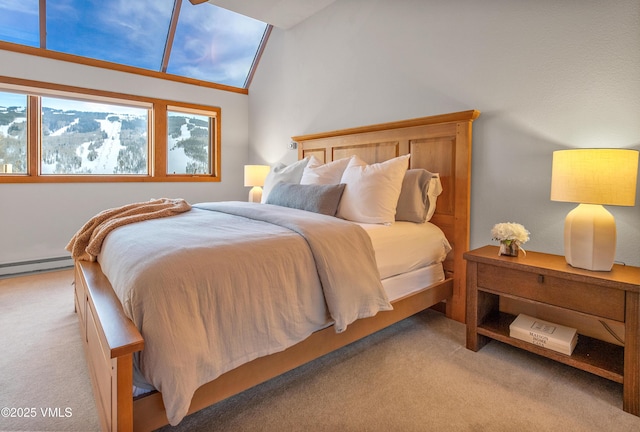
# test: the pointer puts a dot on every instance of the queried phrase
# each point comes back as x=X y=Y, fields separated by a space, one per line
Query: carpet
x=416 y=375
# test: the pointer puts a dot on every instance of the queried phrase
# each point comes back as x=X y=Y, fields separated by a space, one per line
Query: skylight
x=209 y=43
x=19 y=22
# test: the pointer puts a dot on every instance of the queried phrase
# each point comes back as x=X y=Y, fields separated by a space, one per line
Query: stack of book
x=543 y=333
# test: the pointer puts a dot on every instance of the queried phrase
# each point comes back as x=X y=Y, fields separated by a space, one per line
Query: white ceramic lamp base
x=255 y=194
x=590 y=238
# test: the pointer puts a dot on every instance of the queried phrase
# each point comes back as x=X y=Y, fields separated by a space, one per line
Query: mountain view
x=94 y=143
x=13 y=138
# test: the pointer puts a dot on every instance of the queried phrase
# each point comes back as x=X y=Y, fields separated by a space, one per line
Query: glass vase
x=509 y=249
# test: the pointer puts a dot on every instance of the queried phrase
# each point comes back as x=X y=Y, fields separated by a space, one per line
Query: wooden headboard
x=440 y=144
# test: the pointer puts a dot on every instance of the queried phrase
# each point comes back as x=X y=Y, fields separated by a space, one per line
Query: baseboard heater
x=34 y=266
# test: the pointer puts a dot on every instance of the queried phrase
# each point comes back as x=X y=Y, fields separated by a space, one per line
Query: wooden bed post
x=109 y=341
x=456 y=309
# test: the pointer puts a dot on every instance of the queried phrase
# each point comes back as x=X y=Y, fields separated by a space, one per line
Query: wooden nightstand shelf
x=547 y=280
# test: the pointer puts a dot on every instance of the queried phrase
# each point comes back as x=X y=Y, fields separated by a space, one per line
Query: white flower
x=508 y=232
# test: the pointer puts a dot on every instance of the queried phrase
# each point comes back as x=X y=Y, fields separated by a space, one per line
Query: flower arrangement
x=511 y=236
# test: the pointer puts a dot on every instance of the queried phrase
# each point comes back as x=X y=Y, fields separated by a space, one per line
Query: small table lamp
x=254 y=176
x=592 y=178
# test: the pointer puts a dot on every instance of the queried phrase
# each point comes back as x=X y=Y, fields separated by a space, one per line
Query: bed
x=440 y=144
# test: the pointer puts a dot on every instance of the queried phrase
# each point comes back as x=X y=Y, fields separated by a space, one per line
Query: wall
x=37 y=220
x=546 y=75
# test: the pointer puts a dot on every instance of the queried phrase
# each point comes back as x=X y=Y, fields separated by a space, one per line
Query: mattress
x=406 y=246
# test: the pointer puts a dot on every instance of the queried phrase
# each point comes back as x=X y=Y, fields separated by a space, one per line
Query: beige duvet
x=225 y=283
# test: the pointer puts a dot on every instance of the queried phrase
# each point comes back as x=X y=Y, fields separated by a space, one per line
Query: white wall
x=37 y=220
x=546 y=75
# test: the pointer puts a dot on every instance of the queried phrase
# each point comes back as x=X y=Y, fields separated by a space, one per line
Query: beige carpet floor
x=413 y=376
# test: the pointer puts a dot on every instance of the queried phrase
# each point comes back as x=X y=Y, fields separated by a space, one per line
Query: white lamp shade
x=595 y=176
x=254 y=175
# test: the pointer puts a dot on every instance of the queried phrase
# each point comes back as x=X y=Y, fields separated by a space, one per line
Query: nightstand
x=547 y=280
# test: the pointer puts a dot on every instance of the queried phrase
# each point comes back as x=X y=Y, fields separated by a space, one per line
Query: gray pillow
x=322 y=199
x=413 y=203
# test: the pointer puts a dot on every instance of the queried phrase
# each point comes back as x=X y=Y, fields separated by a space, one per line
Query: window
x=214 y=44
x=86 y=138
x=171 y=39
x=13 y=133
x=65 y=136
x=189 y=141
x=127 y=32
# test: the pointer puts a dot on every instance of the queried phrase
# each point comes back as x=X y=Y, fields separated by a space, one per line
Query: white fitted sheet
x=404 y=284
x=406 y=246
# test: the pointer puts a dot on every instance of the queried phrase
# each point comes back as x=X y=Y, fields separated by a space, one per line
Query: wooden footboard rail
x=109 y=339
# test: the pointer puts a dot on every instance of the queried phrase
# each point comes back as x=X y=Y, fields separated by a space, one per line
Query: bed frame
x=440 y=143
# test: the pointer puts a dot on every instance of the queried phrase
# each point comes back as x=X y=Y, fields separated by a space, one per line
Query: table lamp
x=254 y=176
x=593 y=178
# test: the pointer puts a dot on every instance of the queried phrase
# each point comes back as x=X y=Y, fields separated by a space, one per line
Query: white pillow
x=282 y=173
x=372 y=191
x=324 y=174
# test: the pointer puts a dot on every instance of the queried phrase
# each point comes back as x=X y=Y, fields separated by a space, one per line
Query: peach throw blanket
x=87 y=242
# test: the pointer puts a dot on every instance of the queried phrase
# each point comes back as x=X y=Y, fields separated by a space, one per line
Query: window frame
x=157 y=143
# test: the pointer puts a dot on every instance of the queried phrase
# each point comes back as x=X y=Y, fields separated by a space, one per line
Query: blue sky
x=211 y=43
x=13 y=99
x=19 y=21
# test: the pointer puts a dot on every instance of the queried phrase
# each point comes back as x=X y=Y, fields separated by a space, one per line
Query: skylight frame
x=43 y=51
